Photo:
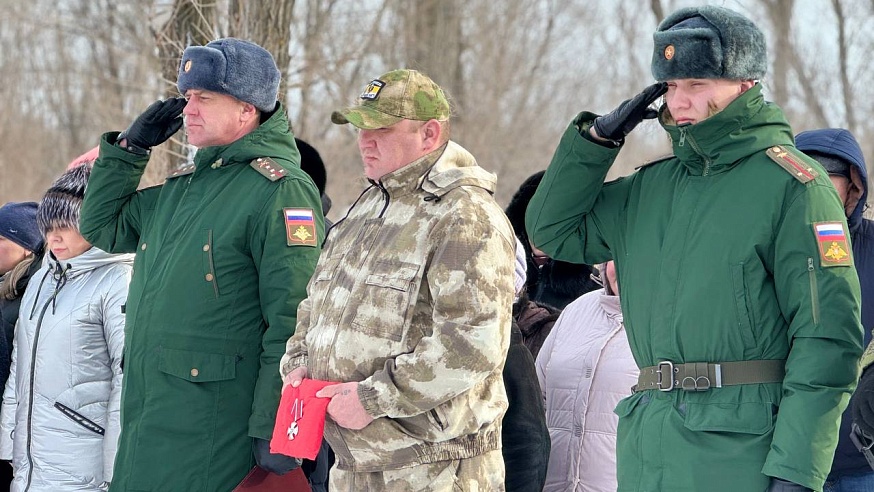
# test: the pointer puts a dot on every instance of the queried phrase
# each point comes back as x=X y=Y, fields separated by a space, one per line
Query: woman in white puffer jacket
x=59 y=421
x=585 y=367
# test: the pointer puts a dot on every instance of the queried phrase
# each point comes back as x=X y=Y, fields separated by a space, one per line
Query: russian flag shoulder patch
x=834 y=249
x=300 y=226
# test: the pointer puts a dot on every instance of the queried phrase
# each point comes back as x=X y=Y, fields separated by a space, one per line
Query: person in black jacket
x=524 y=435
x=21 y=250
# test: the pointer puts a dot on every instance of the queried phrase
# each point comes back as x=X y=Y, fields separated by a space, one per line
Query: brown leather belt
x=702 y=376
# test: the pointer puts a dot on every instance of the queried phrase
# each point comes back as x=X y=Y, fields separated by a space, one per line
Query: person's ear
x=431 y=133
x=248 y=112
x=746 y=85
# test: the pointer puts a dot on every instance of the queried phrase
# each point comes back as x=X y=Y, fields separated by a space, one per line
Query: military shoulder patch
x=182 y=171
x=790 y=160
x=834 y=250
x=653 y=162
x=268 y=168
x=300 y=226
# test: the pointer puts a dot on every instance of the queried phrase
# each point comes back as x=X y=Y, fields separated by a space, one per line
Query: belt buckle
x=661 y=378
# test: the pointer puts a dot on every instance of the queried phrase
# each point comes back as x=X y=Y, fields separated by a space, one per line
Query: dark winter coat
x=525 y=437
x=841 y=144
x=559 y=283
x=535 y=322
x=8 y=317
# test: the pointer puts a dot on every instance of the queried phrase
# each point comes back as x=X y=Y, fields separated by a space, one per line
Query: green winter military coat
x=718 y=260
x=217 y=279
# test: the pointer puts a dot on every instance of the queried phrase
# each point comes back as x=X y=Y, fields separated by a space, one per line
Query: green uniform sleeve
x=572 y=214
x=113 y=210
x=283 y=273
x=470 y=280
x=822 y=305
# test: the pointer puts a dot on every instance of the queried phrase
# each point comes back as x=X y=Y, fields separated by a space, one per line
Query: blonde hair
x=8 y=290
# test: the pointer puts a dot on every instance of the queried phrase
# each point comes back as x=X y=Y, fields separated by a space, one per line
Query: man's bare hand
x=345 y=407
x=294 y=378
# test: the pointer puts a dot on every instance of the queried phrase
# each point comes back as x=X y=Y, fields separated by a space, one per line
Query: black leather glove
x=780 y=485
x=156 y=124
x=274 y=463
x=863 y=402
x=618 y=123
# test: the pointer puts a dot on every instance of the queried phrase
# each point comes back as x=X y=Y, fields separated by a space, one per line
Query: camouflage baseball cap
x=395 y=96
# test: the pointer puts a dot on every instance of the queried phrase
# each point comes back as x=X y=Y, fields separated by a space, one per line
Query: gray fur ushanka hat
x=60 y=206
x=708 y=43
x=234 y=67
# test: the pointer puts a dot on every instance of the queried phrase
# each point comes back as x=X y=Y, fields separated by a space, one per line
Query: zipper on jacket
x=60 y=276
x=682 y=141
x=79 y=419
x=701 y=154
x=814 y=292
x=30 y=393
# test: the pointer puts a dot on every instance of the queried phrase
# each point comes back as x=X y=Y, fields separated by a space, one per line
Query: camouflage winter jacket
x=412 y=297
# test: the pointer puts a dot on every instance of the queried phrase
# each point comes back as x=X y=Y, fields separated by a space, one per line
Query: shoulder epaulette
x=268 y=168
x=790 y=159
x=181 y=171
x=655 y=161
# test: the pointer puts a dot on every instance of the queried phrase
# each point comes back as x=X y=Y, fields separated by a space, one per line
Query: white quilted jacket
x=585 y=367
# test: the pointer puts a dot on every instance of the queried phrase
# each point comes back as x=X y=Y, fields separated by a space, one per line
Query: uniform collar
x=408 y=178
x=260 y=142
x=746 y=126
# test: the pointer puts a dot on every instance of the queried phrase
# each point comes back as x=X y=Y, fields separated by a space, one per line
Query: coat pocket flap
x=197 y=367
x=746 y=418
x=393 y=275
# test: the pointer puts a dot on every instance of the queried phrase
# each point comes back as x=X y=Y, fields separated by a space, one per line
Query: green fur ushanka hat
x=708 y=43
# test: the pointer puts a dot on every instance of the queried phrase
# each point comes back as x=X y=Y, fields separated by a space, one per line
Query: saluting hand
x=156 y=124
x=618 y=123
x=345 y=407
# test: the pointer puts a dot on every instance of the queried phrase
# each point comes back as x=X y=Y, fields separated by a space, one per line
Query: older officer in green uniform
x=224 y=248
x=739 y=292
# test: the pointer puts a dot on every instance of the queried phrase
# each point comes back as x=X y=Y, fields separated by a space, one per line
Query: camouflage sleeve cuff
x=369 y=398
x=868 y=356
x=293 y=363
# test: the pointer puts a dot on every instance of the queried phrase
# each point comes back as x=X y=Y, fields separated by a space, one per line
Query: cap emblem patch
x=187 y=66
x=371 y=92
x=669 y=51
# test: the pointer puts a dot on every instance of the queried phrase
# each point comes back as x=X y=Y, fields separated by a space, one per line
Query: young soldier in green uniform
x=224 y=248
x=738 y=287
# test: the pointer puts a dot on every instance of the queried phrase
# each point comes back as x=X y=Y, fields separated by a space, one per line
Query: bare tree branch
x=847 y=91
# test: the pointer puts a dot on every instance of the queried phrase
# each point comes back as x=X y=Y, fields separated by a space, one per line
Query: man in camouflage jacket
x=410 y=305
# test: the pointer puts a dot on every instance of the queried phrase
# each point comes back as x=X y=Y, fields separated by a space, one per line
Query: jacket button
x=206 y=247
x=209 y=277
x=143 y=247
x=194 y=372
